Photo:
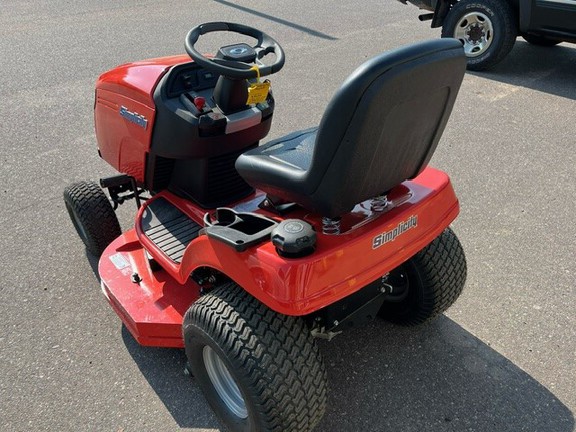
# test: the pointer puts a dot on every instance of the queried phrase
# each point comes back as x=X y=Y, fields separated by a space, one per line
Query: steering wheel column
x=231 y=94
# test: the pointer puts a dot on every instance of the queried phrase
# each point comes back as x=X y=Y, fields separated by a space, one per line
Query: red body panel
x=152 y=309
x=122 y=143
x=340 y=265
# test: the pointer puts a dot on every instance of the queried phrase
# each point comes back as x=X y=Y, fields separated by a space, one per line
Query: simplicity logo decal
x=391 y=235
x=133 y=117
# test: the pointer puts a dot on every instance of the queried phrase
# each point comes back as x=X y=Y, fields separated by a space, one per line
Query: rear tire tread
x=440 y=269
x=276 y=352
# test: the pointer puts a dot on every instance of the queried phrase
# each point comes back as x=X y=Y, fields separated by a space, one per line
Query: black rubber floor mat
x=168 y=228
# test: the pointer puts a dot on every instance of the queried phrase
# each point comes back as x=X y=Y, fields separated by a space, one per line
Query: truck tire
x=259 y=370
x=92 y=215
x=428 y=283
x=540 y=40
x=486 y=28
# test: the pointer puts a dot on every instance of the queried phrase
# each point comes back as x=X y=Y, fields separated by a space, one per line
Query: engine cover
x=156 y=120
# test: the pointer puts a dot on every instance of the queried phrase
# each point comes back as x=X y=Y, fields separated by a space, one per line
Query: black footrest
x=168 y=228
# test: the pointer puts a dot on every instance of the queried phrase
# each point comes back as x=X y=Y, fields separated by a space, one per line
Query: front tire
x=259 y=370
x=92 y=215
x=486 y=28
x=428 y=283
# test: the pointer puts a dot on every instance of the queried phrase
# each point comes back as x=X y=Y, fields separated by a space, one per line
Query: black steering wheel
x=236 y=68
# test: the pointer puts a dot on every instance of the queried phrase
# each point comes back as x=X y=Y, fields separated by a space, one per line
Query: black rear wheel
x=259 y=370
x=427 y=284
x=92 y=215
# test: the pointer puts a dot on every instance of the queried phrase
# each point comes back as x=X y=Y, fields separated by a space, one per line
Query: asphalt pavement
x=503 y=358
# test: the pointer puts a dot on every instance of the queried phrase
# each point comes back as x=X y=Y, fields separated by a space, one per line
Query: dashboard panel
x=189 y=77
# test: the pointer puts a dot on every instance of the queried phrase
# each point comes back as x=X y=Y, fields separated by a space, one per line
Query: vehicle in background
x=489 y=28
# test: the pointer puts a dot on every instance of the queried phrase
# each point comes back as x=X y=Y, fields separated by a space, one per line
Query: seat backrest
x=384 y=123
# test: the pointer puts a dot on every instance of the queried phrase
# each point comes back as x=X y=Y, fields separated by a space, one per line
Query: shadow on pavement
x=546 y=69
x=163 y=368
x=277 y=20
x=438 y=377
x=93 y=261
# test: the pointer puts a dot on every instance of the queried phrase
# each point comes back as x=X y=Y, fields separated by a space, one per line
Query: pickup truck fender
x=442 y=7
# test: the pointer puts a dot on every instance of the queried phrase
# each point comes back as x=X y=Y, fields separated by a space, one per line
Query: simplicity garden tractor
x=244 y=254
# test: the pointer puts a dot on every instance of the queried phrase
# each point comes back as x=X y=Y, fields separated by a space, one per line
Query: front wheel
x=259 y=370
x=92 y=215
x=486 y=28
x=427 y=284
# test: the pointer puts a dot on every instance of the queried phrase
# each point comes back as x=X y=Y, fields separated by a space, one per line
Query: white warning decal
x=119 y=261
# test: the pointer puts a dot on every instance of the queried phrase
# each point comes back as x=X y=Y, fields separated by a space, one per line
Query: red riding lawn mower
x=244 y=254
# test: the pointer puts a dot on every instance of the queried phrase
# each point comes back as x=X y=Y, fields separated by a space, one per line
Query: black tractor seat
x=380 y=129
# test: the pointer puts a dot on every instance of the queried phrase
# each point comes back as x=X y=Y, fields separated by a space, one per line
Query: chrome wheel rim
x=476 y=32
x=224 y=384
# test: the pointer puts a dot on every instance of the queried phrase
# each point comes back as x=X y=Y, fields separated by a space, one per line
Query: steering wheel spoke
x=235 y=68
x=232 y=64
x=259 y=63
x=262 y=51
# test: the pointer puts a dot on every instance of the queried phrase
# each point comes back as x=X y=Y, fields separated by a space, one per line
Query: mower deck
x=152 y=308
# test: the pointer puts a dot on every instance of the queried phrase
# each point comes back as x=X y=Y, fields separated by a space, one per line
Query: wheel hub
x=224 y=383
x=396 y=285
x=476 y=34
x=475 y=31
x=78 y=224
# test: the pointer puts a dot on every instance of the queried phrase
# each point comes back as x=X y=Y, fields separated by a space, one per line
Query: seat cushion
x=281 y=164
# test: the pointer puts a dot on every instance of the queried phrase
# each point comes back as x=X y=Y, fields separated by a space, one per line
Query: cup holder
x=239 y=230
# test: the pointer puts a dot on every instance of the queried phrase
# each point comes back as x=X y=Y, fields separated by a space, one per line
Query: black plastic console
x=239 y=230
x=193 y=149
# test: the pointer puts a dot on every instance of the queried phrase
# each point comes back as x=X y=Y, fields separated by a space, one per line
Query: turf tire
x=272 y=358
x=92 y=215
x=435 y=277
